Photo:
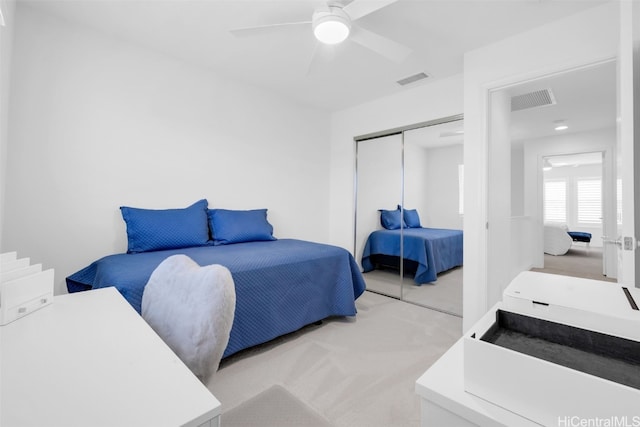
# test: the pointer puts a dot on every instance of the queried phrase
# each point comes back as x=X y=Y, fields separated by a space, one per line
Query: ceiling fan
x=336 y=22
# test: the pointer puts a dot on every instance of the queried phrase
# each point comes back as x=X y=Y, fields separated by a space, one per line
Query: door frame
x=608 y=198
x=570 y=42
x=494 y=285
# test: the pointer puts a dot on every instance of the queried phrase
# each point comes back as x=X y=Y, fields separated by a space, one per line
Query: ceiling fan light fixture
x=331 y=27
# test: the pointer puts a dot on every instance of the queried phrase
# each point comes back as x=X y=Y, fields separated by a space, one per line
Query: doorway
x=534 y=124
x=572 y=213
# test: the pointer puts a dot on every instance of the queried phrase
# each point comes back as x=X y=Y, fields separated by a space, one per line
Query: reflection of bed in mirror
x=426 y=251
x=412 y=180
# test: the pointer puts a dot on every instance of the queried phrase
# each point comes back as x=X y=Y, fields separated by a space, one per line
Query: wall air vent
x=539 y=98
x=411 y=79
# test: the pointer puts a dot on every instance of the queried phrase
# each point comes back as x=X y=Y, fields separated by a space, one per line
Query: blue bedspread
x=434 y=249
x=281 y=285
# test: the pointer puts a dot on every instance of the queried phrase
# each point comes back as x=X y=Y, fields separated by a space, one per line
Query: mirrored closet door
x=409 y=213
x=379 y=186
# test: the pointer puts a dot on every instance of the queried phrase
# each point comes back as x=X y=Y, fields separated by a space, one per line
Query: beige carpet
x=578 y=262
x=358 y=372
x=274 y=407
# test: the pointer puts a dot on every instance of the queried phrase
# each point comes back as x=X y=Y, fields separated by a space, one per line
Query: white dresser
x=556 y=351
x=90 y=359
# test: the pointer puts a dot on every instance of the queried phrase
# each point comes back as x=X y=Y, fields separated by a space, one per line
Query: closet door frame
x=382 y=134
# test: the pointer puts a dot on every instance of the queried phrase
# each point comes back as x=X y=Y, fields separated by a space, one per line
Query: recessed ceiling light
x=451 y=133
x=560 y=125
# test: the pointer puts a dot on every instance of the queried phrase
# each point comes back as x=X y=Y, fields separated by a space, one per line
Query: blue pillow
x=391 y=220
x=411 y=218
x=229 y=226
x=154 y=230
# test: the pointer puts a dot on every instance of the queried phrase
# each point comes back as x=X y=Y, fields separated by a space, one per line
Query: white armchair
x=556 y=239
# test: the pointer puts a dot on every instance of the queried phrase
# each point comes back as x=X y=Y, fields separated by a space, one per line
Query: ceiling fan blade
x=314 y=59
x=359 y=8
x=386 y=47
x=264 y=29
x=321 y=53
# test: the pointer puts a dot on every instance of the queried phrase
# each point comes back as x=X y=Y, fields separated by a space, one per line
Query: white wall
x=99 y=123
x=629 y=138
x=580 y=39
x=440 y=98
x=6 y=53
x=416 y=172
x=517 y=180
x=499 y=218
x=441 y=188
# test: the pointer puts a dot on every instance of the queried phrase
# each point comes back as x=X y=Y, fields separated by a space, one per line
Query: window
x=573 y=201
x=555 y=201
x=589 y=201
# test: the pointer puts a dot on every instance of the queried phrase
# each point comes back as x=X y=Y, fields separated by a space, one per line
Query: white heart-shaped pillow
x=191 y=308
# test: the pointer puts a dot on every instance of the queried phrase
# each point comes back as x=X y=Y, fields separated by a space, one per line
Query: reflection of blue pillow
x=391 y=220
x=411 y=218
x=153 y=230
x=229 y=226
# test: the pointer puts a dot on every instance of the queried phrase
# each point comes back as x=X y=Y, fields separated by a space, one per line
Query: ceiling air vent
x=411 y=79
x=539 y=98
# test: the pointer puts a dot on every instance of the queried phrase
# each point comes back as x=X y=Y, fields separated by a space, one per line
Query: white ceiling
x=445 y=134
x=197 y=31
x=585 y=101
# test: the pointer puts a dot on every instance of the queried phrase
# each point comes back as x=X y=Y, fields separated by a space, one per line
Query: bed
x=428 y=250
x=281 y=285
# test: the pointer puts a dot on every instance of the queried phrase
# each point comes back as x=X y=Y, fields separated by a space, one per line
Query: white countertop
x=90 y=359
x=443 y=384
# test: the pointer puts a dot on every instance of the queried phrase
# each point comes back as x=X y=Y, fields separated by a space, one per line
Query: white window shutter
x=555 y=201
x=589 y=201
